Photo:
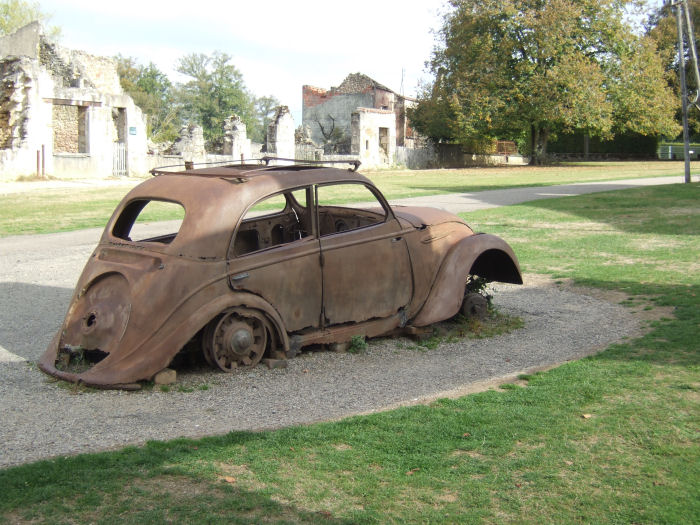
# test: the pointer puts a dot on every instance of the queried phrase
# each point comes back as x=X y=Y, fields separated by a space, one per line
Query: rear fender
x=485 y=255
x=158 y=350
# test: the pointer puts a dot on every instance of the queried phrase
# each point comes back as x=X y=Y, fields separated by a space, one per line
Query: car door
x=275 y=254
x=365 y=263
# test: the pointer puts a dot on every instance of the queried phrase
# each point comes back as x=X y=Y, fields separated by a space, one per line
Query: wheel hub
x=241 y=340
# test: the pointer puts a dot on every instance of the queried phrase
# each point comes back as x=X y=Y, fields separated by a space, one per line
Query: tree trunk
x=538 y=145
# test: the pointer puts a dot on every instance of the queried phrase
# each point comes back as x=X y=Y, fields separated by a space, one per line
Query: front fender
x=485 y=255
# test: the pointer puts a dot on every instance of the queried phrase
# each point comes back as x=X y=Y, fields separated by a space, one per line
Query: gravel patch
x=42 y=418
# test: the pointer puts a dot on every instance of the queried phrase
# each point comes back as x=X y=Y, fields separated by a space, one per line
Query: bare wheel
x=208 y=340
x=475 y=306
x=238 y=339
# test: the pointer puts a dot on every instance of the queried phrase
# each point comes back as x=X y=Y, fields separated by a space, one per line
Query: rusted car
x=267 y=259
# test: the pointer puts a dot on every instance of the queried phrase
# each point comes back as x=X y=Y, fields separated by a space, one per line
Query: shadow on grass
x=147 y=484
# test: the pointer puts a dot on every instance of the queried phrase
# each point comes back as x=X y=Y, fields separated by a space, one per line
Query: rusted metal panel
x=446 y=296
x=251 y=288
x=366 y=273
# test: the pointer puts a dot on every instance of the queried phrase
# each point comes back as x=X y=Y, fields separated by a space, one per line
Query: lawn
x=610 y=438
x=46 y=211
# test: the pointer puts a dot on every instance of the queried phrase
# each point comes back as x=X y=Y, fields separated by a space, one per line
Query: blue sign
x=132 y=131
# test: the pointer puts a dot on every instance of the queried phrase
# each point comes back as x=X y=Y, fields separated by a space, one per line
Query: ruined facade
x=280 y=134
x=64 y=110
x=189 y=145
x=236 y=141
x=360 y=117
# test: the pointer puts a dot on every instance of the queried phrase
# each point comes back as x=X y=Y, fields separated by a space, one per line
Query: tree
x=214 y=92
x=18 y=13
x=152 y=91
x=661 y=27
x=264 y=111
x=533 y=68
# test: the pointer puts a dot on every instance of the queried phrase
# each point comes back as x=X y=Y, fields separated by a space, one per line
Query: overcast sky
x=277 y=45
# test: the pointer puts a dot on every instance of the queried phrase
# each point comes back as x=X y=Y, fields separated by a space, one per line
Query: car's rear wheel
x=235 y=339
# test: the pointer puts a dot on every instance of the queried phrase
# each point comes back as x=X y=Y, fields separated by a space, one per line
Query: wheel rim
x=238 y=340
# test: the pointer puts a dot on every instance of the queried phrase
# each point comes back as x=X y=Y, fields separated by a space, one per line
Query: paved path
x=466 y=202
x=38 y=418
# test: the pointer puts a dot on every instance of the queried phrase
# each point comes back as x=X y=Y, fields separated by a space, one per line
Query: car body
x=267 y=260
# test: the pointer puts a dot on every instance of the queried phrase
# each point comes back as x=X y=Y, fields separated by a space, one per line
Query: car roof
x=215 y=197
x=280 y=176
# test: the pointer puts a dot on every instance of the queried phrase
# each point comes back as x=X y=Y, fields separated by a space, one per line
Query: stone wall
x=416 y=158
x=324 y=109
x=280 y=134
x=66 y=131
x=67 y=104
x=15 y=83
x=374 y=136
x=330 y=110
x=22 y=43
x=236 y=141
x=101 y=72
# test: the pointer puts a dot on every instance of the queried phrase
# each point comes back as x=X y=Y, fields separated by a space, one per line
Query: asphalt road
x=39 y=418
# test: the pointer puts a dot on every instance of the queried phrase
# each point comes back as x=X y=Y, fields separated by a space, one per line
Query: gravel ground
x=40 y=418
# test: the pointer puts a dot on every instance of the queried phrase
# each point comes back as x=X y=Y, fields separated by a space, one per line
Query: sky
x=277 y=45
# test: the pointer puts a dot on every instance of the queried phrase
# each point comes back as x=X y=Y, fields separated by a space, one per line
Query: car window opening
x=345 y=207
x=147 y=220
x=275 y=221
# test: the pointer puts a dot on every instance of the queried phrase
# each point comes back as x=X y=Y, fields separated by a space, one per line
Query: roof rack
x=355 y=163
x=161 y=170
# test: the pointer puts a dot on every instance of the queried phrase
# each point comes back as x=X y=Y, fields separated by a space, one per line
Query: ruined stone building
x=69 y=107
x=359 y=117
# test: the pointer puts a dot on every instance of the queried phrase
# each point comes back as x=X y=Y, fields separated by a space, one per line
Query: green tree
x=661 y=27
x=530 y=68
x=152 y=91
x=18 y=13
x=214 y=92
x=264 y=111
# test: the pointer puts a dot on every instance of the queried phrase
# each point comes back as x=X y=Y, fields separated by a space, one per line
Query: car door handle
x=240 y=276
x=396 y=239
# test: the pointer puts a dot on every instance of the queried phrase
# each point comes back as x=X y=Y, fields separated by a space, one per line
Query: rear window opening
x=149 y=220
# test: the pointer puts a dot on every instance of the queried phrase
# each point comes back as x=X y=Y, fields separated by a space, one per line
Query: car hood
x=419 y=216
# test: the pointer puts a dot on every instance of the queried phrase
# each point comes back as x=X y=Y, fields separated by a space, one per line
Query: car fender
x=248 y=300
x=487 y=256
x=156 y=352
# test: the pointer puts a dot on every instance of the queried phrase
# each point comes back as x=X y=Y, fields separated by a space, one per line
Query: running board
x=343 y=333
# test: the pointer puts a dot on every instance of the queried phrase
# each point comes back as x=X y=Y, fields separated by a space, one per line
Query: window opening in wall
x=119 y=122
x=384 y=140
x=70 y=126
x=366 y=144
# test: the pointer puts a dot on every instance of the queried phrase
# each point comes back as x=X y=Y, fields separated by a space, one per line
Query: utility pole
x=680 y=5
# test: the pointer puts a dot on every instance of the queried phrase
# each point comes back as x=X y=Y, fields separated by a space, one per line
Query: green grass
x=612 y=438
x=46 y=211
